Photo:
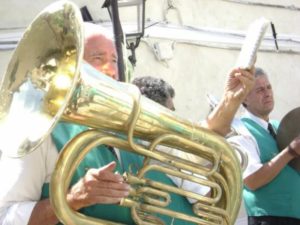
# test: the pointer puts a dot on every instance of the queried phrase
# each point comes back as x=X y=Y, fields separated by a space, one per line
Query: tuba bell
x=47 y=81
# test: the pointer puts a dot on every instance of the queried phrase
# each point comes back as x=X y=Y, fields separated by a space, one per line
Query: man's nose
x=111 y=70
x=268 y=92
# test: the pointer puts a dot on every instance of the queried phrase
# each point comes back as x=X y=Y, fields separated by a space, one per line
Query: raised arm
x=238 y=84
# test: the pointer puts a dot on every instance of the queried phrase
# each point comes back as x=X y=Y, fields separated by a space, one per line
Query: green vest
x=281 y=196
x=101 y=156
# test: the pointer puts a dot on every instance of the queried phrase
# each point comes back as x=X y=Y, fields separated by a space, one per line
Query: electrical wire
x=205 y=37
x=279 y=6
x=218 y=38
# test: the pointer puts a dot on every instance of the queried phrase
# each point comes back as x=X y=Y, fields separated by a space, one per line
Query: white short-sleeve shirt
x=245 y=141
x=22 y=180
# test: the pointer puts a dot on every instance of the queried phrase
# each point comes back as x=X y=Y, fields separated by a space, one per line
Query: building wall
x=194 y=68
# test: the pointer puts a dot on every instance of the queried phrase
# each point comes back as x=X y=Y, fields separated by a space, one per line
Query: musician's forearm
x=43 y=213
x=219 y=120
x=269 y=170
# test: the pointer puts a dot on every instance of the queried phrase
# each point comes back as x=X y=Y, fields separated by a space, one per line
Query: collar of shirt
x=261 y=122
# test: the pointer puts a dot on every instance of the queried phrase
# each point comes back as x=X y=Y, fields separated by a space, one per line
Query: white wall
x=194 y=69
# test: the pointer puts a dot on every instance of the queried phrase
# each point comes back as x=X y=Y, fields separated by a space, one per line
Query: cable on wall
x=205 y=37
x=279 y=6
x=170 y=5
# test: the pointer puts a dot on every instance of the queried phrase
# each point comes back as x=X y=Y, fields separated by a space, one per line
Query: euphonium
x=47 y=80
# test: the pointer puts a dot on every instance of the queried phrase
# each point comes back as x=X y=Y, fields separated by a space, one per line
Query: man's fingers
x=245 y=78
x=110 y=192
x=109 y=167
x=106 y=173
x=90 y=190
x=111 y=185
x=107 y=200
x=100 y=196
x=234 y=71
x=106 y=193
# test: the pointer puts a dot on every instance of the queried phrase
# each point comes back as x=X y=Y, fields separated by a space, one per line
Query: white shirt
x=186 y=185
x=22 y=180
x=247 y=142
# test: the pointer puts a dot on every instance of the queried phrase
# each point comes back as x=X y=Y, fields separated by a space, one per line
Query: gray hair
x=257 y=73
x=156 y=89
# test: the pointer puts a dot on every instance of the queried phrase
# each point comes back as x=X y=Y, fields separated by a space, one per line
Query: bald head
x=99 y=49
x=91 y=29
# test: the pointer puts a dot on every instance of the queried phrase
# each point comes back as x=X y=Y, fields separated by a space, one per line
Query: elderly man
x=271 y=191
x=24 y=200
x=95 y=186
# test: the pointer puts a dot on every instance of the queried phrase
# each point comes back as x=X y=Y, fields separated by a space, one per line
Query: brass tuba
x=47 y=80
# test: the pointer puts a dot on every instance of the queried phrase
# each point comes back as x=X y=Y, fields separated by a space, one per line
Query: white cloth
x=22 y=180
x=245 y=140
x=186 y=185
x=191 y=186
